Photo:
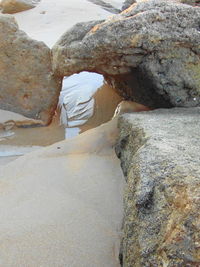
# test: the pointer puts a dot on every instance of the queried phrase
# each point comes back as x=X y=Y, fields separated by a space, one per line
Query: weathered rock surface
x=159 y=152
x=150 y=52
x=127 y=4
x=27 y=83
x=14 y=6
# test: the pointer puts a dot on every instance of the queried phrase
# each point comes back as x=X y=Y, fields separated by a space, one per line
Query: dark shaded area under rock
x=127 y=4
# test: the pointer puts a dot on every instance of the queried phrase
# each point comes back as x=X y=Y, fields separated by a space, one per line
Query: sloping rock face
x=159 y=152
x=27 y=83
x=150 y=53
x=14 y=6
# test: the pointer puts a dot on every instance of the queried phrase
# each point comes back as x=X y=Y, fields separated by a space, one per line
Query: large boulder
x=159 y=152
x=150 y=53
x=14 y=6
x=27 y=83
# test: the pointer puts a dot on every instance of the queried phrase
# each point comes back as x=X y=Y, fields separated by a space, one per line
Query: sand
x=35 y=136
x=106 y=101
x=18 y=141
x=51 y=18
x=17 y=119
x=62 y=205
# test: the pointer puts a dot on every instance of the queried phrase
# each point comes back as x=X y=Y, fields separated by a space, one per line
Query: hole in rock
x=86 y=101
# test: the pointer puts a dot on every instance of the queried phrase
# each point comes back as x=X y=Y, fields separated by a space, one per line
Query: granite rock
x=159 y=152
x=14 y=6
x=27 y=83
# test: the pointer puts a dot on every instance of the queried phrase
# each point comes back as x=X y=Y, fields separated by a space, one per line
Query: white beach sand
x=51 y=18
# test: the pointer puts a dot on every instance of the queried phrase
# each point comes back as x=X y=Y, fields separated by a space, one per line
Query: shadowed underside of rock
x=150 y=52
x=162 y=195
x=27 y=83
x=127 y=4
x=190 y=2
